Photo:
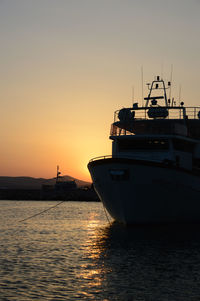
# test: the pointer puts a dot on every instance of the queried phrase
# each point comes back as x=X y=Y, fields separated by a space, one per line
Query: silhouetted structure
x=153 y=174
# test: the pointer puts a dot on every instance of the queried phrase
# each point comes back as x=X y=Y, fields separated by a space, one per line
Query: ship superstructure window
x=183 y=145
x=143 y=144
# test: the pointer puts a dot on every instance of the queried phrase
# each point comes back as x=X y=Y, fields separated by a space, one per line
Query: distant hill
x=33 y=183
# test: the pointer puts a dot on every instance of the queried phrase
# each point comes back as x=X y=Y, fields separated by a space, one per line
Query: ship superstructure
x=153 y=174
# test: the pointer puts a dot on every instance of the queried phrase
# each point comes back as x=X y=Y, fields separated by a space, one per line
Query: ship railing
x=100 y=158
x=174 y=112
x=117 y=131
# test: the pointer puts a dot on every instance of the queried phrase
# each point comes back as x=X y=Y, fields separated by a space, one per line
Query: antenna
x=142 y=84
x=170 y=90
x=133 y=94
x=179 y=97
x=162 y=70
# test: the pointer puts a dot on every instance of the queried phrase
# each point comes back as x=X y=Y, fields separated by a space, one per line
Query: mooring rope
x=106 y=214
x=23 y=220
x=41 y=212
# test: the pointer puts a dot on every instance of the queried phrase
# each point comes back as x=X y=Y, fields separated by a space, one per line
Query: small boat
x=153 y=175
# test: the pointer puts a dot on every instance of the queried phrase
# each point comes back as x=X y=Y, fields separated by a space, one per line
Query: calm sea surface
x=72 y=253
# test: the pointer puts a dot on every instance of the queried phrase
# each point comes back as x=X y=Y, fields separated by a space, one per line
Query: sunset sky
x=67 y=65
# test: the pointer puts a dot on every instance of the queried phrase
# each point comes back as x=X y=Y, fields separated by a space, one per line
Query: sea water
x=72 y=252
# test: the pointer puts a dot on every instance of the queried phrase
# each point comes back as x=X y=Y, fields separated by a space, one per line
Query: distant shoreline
x=7 y=182
x=82 y=195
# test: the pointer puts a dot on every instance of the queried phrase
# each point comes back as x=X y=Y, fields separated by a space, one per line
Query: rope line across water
x=23 y=220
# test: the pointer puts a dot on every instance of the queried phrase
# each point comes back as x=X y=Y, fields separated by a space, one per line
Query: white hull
x=150 y=193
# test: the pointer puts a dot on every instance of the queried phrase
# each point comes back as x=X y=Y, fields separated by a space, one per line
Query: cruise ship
x=153 y=174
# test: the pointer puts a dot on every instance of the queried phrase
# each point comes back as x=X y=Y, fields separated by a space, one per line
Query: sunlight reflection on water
x=72 y=253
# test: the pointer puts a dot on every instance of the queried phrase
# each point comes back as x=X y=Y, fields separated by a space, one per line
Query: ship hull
x=140 y=192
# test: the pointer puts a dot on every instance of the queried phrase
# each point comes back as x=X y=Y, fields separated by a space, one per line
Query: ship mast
x=58 y=174
x=155 y=86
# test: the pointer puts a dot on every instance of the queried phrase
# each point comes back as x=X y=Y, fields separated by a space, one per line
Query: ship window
x=119 y=174
x=143 y=144
x=183 y=145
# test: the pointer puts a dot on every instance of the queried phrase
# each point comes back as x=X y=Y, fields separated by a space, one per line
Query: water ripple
x=71 y=253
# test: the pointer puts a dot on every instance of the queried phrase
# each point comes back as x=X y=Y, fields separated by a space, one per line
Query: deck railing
x=178 y=112
x=116 y=131
x=124 y=120
x=100 y=158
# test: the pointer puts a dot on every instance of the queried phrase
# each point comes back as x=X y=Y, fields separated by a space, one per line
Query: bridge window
x=143 y=144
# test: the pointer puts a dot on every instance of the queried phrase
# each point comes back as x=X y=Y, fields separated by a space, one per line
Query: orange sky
x=66 y=66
